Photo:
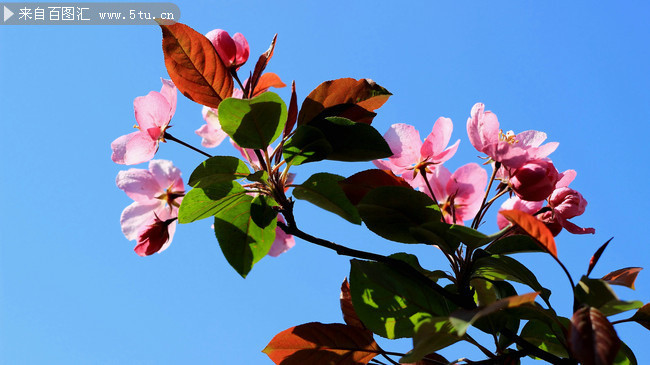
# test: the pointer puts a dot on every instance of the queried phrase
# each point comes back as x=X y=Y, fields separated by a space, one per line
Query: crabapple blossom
x=211 y=133
x=283 y=242
x=157 y=193
x=460 y=194
x=514 y=202
x=566 y=204
x=153 y=113
x=512 y=150
x=535 y=180
x=410 y=154
x=232 y=51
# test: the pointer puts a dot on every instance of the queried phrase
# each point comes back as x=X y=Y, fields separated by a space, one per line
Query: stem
x=477 y=219
x=485 y=351
x=423 y=173
x=172 y=138
x=291 y=228
x=233 y=72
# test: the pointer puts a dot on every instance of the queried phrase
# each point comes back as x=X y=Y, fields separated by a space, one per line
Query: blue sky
x=73 y=291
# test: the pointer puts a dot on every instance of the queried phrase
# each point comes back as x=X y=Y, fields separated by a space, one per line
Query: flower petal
x=404 y=141
x=168 y=90
x=283 y=242
x=152 y=111
x=138 y=184
x=137 y=215
x=438 y=139
x=133 y=148
x=167 y=175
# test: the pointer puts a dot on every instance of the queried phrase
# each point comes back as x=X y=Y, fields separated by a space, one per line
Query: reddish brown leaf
x=534 y=227
x=259 y=68
x=642 y=316
x=194 y=66
x=431 y=359
x=592 y=339
x=358 y=185
x=624 y=277
x=350 y=98
x=318 y=343
x=596 y=256
x=349 y=314
x=293 y=110
x=267 y=81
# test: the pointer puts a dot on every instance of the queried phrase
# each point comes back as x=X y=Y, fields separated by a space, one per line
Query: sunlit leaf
x=218 y=169
x=253 y=123
x=625 y=356
x=292 y=115
x=194 y=66
x=598 y=294
x=308 y=144
x=391 y=212
x=391 y=303
x=318 y=343
x=596 y=256
x=267 y=81
x=242 y=242
x=322 y=189
x=352 y=141
x=592 y=339
x=514 y=244
x=431 y=334
x=550 y=338
x=261 y=64
x=355 y=97
x=534 y=227
x=625 y=277
x=200 y=203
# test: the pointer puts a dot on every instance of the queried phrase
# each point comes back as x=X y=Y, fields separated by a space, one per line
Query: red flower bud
x=535 y=180
x=232 y=51
x=567 y=202
x=154 y=237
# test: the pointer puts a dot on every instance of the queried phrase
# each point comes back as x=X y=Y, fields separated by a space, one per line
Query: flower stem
x=477 y=219
x=172 y=138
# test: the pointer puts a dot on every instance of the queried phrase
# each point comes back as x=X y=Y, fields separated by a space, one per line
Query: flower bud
x=535 y=180
x=154 y=237
x=232 y=51
x=551 y=222
x=567 y=202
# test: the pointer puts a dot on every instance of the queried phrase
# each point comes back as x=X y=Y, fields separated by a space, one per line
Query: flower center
x=509 y=137
x=170 y=196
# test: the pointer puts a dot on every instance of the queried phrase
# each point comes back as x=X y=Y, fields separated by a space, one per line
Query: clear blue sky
x=73 y=291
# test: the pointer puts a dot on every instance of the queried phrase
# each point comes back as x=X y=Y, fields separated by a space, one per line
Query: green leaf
x=262 y=211
x=322 y=189
x=258 y=176
x=545 y=338
x=470 y=237
x=514 y=244
x=308 y=144
x=218 y=169
x=390 y=303
x=437 y=233
x=625 y=356
x=201 y=203
x=598 y=294
x=497 y=267
x=391 y=212
x=642 y=316
x=352 y=141
x=431 y=334
x=253 y=123
x=242 y=242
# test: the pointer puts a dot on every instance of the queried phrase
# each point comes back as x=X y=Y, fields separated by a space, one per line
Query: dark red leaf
x=358 y=185
x=534 y=227
x=293 y=110
x=624 y=277
x=596 y=256
x=349 y=314
x=259 y=68
x=194 y=66
x=642 y=316
x=349 y=98
x=592 y=339
x=430 y=359
x=318 y=343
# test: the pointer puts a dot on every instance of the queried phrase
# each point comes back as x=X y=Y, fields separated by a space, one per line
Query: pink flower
x=153 y=113
x=566 y=204
x=157 y=194
x=410 y=154
x=283 y=242
x=459 y=194
x=232 y=51
x=514 y=202
x=535 y=180
x=211 y=133
x=512 y=150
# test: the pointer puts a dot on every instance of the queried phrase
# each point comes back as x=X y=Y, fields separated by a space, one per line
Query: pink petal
x=156 y=236
x=283 y=242
x=404 y=141
x=572 y=228
x=516 y=203
x=468 y=185
x=438 y=180
x=511 y=156
x=242 y=49
x=388 y=165
x=225 y=46
x=211 y=133
x=152 y=111
x=438 y=139
x=168 y=90
x=167 y=175
x=139 y=185
x=482 y=127
x=446 y=154
x=133 y=148
x=137 y=215
x=566 y=178
x=531 y=138
x=543 y=151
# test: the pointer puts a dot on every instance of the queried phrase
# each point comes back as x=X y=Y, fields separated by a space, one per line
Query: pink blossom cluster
x=521 y=161
x=158 y=191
